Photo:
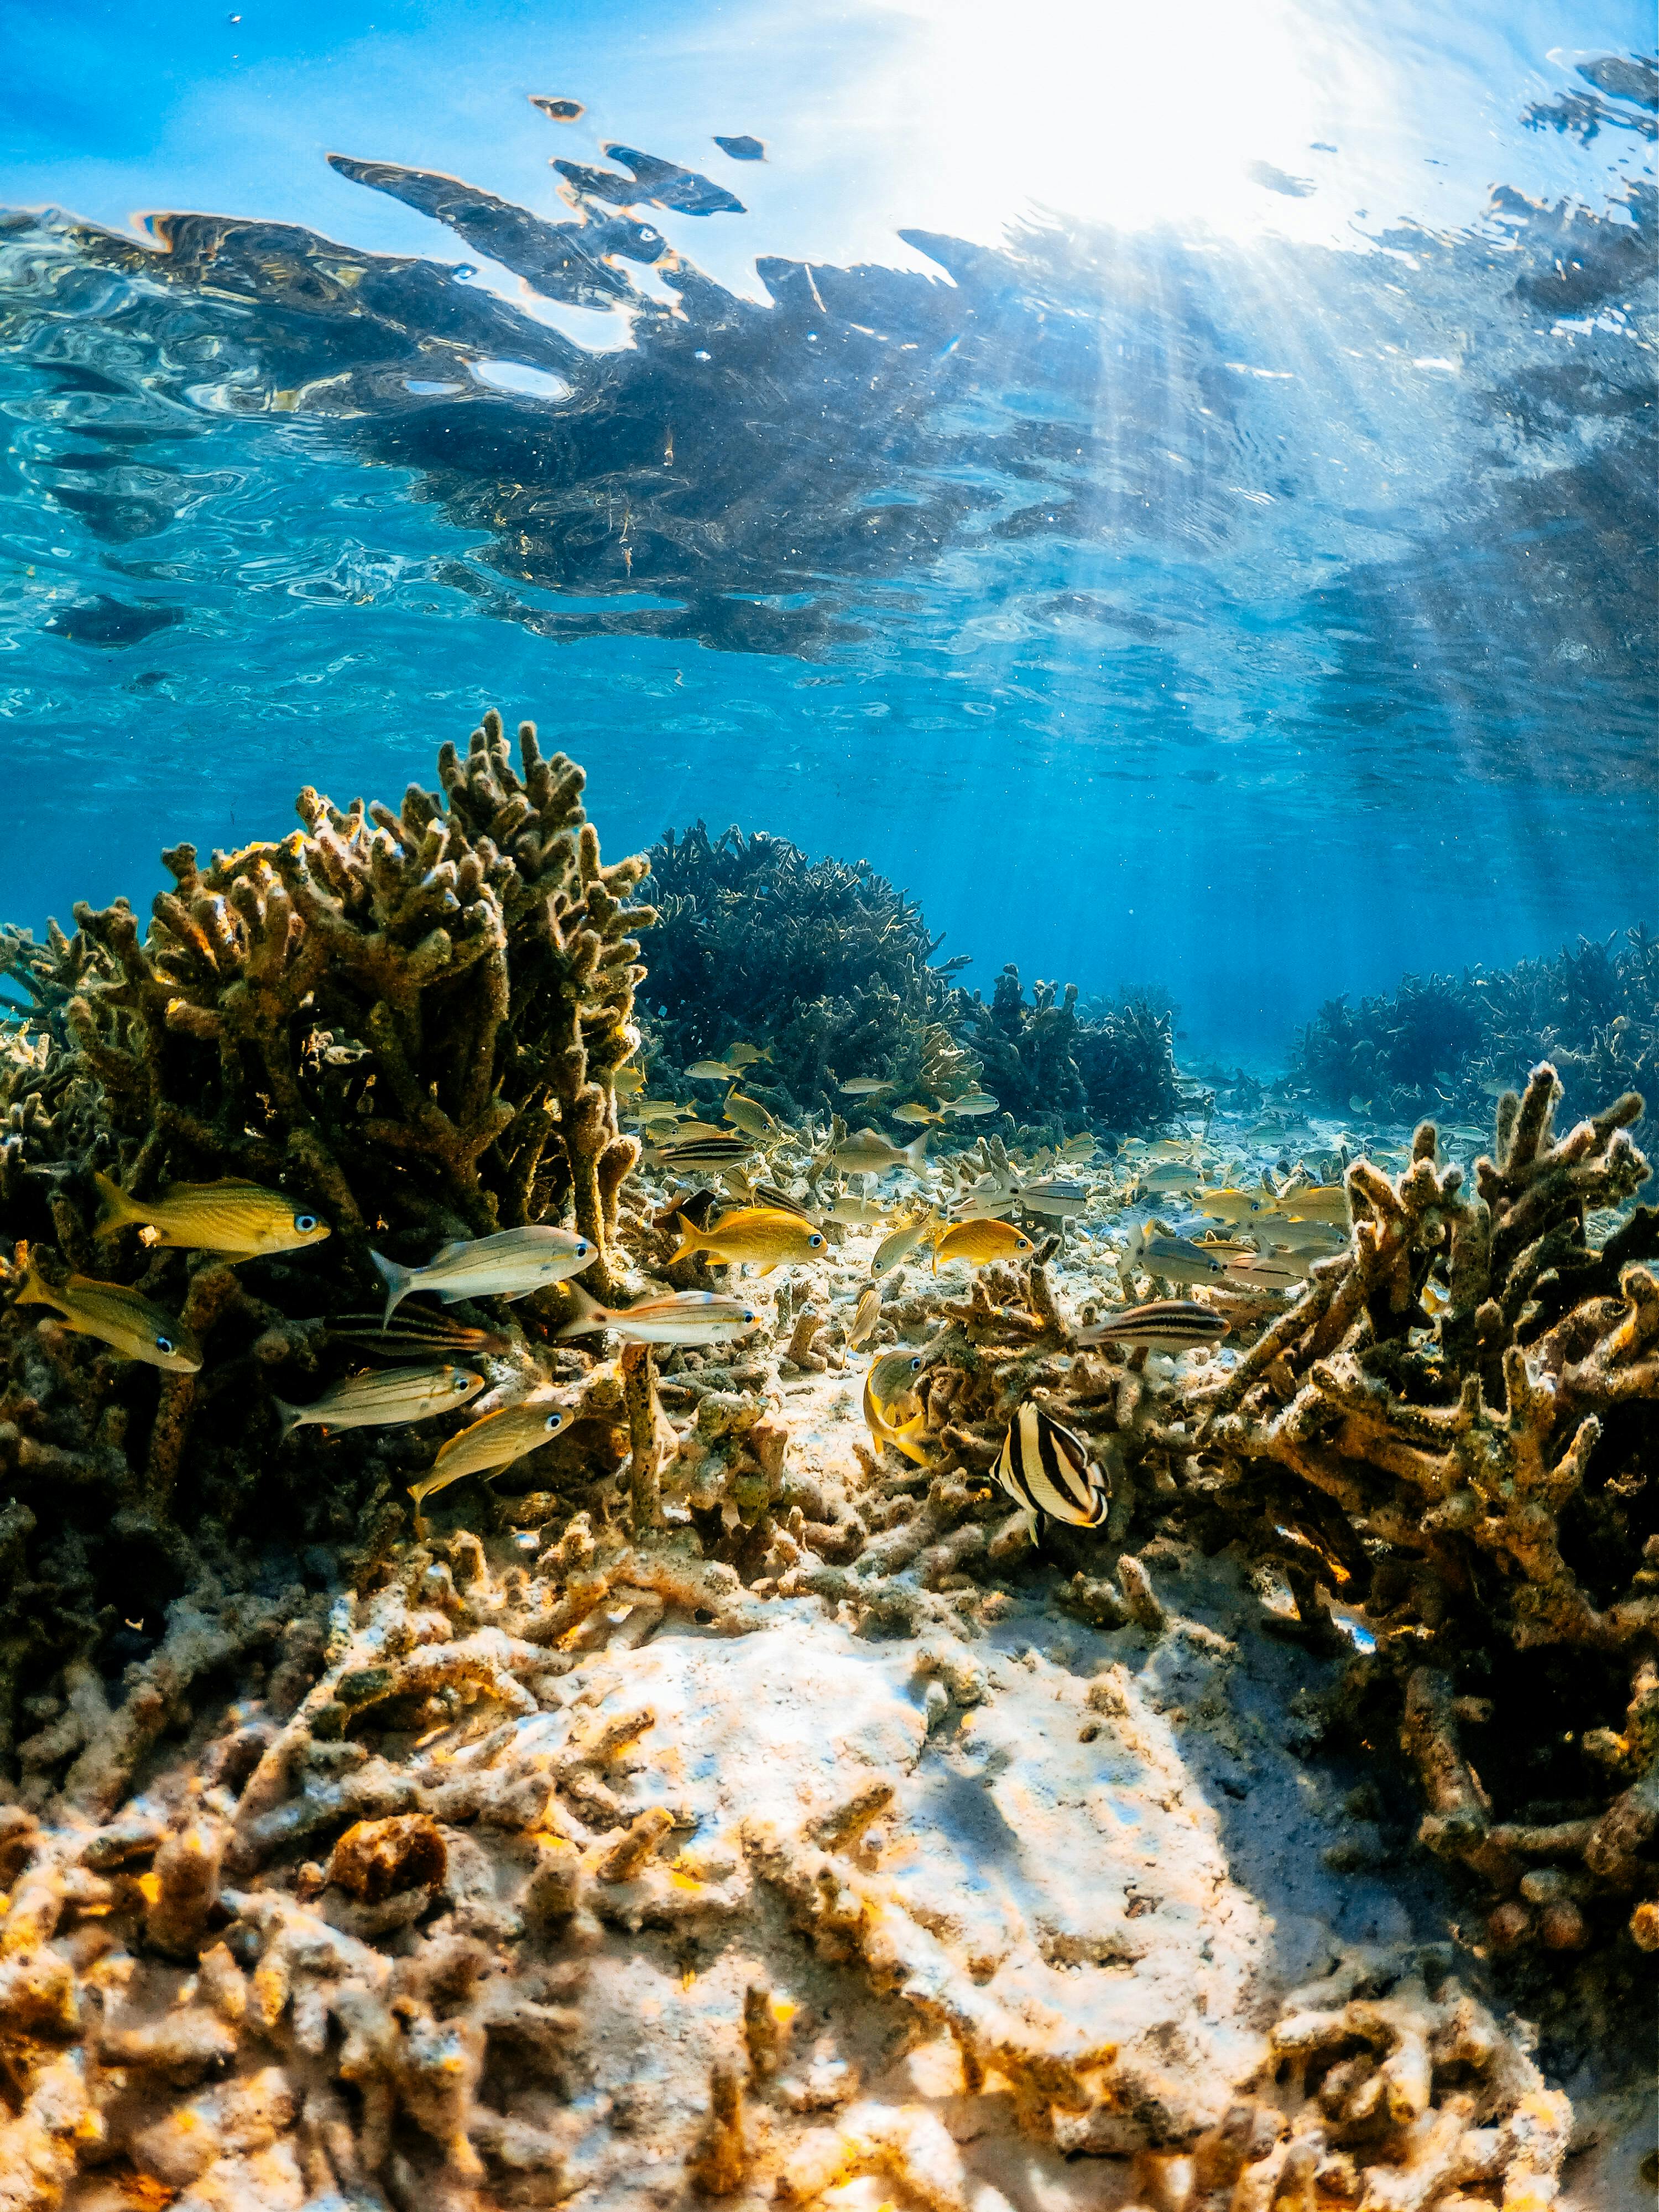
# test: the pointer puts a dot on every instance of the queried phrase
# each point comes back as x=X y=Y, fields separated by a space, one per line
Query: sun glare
x=1220 y=117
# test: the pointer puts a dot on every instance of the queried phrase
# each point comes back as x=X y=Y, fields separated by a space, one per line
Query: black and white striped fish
x=1161 y=1325
x=1046 y=1468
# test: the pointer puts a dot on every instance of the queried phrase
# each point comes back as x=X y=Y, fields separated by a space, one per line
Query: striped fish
x=1047 y=1469
x=1161 y=1325
x=715 y=1152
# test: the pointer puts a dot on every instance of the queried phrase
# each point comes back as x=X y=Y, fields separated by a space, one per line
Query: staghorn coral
x=410 y=1021
x=1457 y=1041
x=1493 y=1465
x=823 y=962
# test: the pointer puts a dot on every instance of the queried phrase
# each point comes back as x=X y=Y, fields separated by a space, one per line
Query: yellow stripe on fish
x=240 y=1219
x=496 y=1441
x=121 y=1318
x=379 y=1401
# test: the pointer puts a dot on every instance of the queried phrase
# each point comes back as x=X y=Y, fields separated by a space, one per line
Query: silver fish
x=857 y=1212
x=509 y=1265
x=864 y=1087
x=686 y=1318
x=1270 y=1271
x=1058 y=1195
x=371 y=1402
x=869 y=1153
x=973 y=1103
x=1175 y=1258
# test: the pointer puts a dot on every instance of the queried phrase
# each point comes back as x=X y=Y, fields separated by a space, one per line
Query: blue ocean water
x=1247 y=590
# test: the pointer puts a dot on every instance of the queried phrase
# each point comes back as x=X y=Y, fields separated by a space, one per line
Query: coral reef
x=822 y=961
x=407 y=1021
x=828 y=966
x=1495 y=1467
x=1441 y=1042
x=345 y=1867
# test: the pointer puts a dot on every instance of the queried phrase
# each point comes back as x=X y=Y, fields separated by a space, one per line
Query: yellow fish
x=710 y=1070
x=629 y=1081
x=496 y=1441
x=978 y=1241
x=237 y=1219
x=764 y=1237
x=1316 y=1201
x=899 y=1243
x=745 y=1056
x=688 y=1130
x=864 y=1318
x=889 y=1379
x=752 y=1118
x=916 y=1115
x=118 y=1317
x=1231 y=1205
x=377 y=1401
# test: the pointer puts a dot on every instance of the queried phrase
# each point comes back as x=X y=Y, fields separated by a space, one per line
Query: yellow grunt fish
x=745 y=1055
x=753 y=1236
x=711 y=1071
x=1315 y=1202
x=752 y=1118
x=1230 y=1204
x=118 y=1317
x=237 y=1219
x=980 y=1241
x=899 y=1243
x=377 y=1401
x=917 y=1115
x=628 y=1082
x=865 y=1316
x=496 y=1441
x=888 y=1380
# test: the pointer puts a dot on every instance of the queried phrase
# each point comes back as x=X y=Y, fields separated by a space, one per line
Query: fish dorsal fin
x=452 y=1250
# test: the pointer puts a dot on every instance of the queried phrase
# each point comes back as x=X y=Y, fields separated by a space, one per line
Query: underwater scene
x=829 y=1051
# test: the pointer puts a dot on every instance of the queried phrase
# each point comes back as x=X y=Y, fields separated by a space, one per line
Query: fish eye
x=460 y=1382
x=555 y=1421
x=815 y=1240
x=581 y=1247
x=165 y=1344
x=304 y=1222
x=748 y=1316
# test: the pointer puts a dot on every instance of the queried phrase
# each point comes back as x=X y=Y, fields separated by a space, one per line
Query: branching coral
x=410 y=1021
x=1456 y=1042
x=823 y=962
x=1494 y=1466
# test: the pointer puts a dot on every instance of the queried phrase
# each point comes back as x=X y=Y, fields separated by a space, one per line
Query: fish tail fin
x=692 y=1241
x=32 y=1290
x=398 y=1281
x=115 y=1208
x=916 y=1153
x=588 y=1315
x=289 y=1416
